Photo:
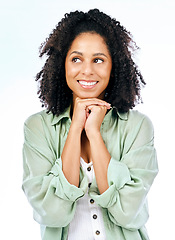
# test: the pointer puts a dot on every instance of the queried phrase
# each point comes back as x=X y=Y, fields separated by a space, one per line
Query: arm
x=99 y=153
x=52 y=197
x=72 y=149
x=71 y=156
x=130 y=178
x=101 y=159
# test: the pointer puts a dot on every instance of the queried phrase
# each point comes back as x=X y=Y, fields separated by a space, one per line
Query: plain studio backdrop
x=26 y=24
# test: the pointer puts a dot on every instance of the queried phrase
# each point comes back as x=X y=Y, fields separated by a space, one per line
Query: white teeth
x=87 y=83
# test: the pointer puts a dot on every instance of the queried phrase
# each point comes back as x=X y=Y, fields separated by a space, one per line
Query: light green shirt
x=129 y=139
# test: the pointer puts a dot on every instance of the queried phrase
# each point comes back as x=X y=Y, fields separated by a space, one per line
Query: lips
x=87 y=84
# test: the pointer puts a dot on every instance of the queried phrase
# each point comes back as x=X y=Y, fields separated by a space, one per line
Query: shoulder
x=136 y=117
x=139 y=124
x=38 y=119
x=134 y=122
x=136 y=130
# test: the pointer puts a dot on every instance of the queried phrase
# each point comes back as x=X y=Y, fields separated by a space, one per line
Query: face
x=88 y=66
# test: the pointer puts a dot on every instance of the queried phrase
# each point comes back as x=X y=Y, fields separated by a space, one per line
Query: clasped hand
x=88 y=114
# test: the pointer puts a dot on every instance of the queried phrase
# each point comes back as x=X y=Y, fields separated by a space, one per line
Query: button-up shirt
x=129 y=138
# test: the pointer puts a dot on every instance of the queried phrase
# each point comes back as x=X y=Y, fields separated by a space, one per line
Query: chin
x=90 y=95
x=84 y=96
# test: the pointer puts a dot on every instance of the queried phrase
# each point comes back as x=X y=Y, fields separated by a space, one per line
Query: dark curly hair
x=124 y=87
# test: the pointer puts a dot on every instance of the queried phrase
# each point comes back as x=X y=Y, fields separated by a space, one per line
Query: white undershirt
x=87 y=223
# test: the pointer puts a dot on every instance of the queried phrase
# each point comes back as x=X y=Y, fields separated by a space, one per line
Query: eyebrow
x=95 y=54
x=79 y=53
x=99 y=54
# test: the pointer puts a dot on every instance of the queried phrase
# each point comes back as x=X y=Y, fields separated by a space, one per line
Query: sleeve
x=52 y=197
x=130 y=179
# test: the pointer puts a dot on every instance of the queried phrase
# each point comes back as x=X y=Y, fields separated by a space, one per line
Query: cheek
x=108 y=73
x=71 y=71
x=105 y=73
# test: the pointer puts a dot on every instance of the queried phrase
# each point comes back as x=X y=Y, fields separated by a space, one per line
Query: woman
x=89 y=160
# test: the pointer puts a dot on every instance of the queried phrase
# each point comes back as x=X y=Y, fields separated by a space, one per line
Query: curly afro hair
x=123 y=91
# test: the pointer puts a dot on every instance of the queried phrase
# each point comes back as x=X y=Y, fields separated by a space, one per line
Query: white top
x=87 y=223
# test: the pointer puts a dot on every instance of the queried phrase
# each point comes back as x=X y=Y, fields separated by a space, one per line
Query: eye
x=76 y=60
x=98 y=60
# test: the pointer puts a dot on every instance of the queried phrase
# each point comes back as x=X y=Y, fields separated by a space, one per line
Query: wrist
x=93 y=134
x=75 y=130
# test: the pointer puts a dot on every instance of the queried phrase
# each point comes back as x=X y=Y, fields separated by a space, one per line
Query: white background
x=24 y=24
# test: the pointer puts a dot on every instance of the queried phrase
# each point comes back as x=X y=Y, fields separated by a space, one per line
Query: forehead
x=91 y=41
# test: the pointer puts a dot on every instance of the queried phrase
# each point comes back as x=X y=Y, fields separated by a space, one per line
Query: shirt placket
x=93 y=207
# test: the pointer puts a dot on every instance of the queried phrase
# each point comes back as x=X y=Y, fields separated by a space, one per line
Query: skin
x=88 y=67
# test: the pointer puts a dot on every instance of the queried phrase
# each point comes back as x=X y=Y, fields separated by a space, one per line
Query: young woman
x=89 y=160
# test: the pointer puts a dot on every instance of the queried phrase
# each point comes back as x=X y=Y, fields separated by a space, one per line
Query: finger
x=93 y=101
x=93 y=108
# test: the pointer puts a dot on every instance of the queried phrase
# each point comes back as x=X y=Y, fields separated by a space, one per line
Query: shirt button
x=89 y=169
x=91 y=201
x=89 y=185
x=94 y=216
x=97 y=232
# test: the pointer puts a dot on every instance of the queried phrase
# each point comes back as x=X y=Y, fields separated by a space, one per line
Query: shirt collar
x=66 y=114
x=123 y=116
x=113 y=112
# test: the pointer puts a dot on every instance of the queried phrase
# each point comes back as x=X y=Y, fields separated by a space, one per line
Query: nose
x=87 y=68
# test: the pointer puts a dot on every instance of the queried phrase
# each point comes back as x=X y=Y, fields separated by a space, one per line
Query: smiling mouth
x=87 y=84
